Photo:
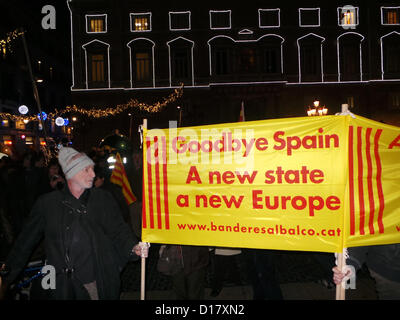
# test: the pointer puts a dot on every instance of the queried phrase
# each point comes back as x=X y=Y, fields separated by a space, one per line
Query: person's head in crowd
x=100 y=176
x=77 y=168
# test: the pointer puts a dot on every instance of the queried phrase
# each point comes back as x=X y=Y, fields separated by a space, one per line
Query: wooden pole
x=143 y=265
x=143 y=280
x=341 y=257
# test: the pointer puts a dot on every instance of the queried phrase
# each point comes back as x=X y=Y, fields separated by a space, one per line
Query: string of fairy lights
x=5 y=44
x=97 y=113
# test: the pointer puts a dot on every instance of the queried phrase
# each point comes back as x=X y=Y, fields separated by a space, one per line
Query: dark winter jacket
x=383 y=259
x=111 y=240
x=194 y=258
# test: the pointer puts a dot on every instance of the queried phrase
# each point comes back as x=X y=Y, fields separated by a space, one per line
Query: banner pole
x=341 y=257
x=340 y=288
x=143 y=260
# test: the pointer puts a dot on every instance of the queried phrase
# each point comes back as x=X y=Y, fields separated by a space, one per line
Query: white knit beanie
x=72 y=161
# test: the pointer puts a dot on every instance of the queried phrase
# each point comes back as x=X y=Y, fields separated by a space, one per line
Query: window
x=348 y=16
x=140 y=22
x=19 y=124
x=390 y=15
x=309 y=17
x=141 y=55
x=179 y=20
x=97 y=57
x=395 y=100
x=310 y=56
x=349 y=46
x=142 y=66
x=29 y=140
x=181 y=64
x=269 y=18
x=97 y=67
x=247 y=60
x=96 y=23
x=392 y=57
x=221 y=61
x=181 y=67
x=310 y=60
x=220 y=19
x=7 y=140
x=5 y=123
x=221 y=51
x=271 y=60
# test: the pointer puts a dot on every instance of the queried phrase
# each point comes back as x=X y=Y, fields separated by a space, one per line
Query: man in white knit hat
x=86 y=239
x=78 y=170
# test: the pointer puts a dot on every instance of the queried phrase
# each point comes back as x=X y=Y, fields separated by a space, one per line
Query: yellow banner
x=309 y=183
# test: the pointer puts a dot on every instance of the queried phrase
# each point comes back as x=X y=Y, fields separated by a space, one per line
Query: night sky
x=27 y=14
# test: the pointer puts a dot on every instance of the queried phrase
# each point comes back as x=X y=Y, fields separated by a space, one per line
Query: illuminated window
x=348 y=16
x=142 y=66
x=390 y=15
x=97 y=64
x=140 y=22
x=19 y=124
x=5 y=123
x=96 y=23
x=28 y=140
x=7 y=140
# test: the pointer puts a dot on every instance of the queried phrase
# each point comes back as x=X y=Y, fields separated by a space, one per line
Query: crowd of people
x=51 y=210
x=100 y=218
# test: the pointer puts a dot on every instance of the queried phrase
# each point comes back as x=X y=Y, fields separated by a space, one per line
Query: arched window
x=246 y=59
x=141 y=55
x=310 y=58
x=270 y=50
x=181 y=68
x=390 y=55
x=221 y=55
x=97 y=64
x=349 y=55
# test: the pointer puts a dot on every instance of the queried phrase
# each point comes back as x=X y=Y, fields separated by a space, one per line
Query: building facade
x=275 y=57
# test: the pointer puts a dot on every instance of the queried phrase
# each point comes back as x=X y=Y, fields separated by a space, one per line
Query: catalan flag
x=118 y=176
x=366 y=200
x=156 y=209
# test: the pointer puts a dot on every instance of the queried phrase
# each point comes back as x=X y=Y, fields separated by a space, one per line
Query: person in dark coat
x=383 y=262
x=189 y=283
x=86 y=239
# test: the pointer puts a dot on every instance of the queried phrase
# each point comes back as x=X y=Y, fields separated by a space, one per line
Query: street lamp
x=130 y=125
x=23 y=109
x=317 y=110
x=180 y=115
